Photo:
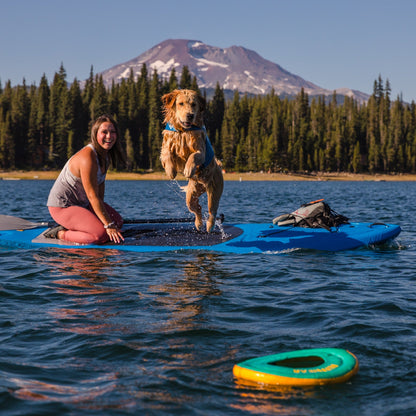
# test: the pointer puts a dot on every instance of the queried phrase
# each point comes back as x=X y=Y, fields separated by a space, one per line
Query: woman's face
x=106 y=135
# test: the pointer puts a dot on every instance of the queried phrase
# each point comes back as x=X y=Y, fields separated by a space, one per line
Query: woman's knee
x=103 y=238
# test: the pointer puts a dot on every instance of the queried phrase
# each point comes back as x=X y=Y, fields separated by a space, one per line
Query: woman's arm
x=88 y=168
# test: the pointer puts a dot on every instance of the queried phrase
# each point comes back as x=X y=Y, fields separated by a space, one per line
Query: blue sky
x=332 y=43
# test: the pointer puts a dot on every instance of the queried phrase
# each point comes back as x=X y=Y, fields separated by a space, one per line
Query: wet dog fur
x=184 y=151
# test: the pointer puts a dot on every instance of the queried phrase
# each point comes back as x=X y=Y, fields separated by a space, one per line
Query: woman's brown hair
x=116 y=153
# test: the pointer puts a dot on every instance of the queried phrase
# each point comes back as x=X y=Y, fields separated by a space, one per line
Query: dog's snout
x=190 y=116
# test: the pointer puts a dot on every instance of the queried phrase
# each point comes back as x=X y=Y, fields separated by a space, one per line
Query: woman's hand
x=114 y=233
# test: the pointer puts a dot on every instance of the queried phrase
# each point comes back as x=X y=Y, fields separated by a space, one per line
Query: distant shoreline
x=235 y=176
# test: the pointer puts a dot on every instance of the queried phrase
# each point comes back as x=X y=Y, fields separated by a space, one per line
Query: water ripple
x=93 y=332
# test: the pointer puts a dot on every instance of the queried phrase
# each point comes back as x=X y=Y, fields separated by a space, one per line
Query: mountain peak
x=234 y=68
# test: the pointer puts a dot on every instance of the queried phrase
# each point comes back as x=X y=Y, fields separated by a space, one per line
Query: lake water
x=112 y=333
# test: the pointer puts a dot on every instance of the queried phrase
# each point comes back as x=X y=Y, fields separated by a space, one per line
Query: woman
x=76 y=200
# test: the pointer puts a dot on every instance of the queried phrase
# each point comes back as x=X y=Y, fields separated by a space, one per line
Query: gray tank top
x=68 y=190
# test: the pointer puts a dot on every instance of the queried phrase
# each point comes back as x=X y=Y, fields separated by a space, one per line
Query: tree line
x=42 y=126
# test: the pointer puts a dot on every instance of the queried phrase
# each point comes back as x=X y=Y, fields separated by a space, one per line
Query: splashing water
x=177 y=188
x=218 y=223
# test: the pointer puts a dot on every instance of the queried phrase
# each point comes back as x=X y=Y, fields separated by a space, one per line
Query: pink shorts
x=82 y=225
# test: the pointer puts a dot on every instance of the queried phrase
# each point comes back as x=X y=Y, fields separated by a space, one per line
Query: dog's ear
x=168 y=100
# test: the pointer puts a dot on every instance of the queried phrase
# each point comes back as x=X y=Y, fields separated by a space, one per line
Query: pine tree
x=122 y=93
x=242 y=154
x=132 y=121
x=42 y=111
x=99 y=102
x=113 y=99
x=70 y=148
x=172 y=83
x=78 y=126
x=143 y=118
x=88 y=92
x=274 y=144
x=194 y=85
x=154 y=116
x=230 y=133
x=214 y=119
x=185 y=81
x=228 y=153
x=254 y=135
x=57 y=119
x=300 y=128
x=33 y=133
x=20 y=110
x=131 y=164
x=7 y=144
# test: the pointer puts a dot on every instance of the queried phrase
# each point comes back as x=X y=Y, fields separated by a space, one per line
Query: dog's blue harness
x=209 y=151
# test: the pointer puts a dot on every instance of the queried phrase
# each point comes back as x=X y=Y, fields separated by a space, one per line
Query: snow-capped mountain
x=234 y=68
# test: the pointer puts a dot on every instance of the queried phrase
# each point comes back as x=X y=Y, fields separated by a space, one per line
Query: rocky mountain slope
x=234 y=68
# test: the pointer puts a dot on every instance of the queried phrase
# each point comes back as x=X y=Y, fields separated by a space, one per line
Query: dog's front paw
x=189 y=171
x=210 y=223
x=198 y=223
x=171 y=172
x=193 y=164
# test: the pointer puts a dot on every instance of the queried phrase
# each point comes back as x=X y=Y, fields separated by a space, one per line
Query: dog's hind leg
x=193 y=191
x=214 y=192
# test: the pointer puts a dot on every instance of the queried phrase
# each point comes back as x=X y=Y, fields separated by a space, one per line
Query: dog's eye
x=180 y=103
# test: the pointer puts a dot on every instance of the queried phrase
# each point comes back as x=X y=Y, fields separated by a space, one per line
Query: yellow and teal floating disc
x=300 y=368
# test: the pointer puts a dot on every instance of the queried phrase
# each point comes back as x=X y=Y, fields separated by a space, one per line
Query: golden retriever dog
x=186 y=149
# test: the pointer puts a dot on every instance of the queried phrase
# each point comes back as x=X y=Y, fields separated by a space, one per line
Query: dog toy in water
x=300 y=368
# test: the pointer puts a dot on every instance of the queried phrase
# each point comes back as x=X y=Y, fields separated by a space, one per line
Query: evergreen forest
x=42 y=126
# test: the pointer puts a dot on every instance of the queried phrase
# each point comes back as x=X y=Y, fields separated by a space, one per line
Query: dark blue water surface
x=105 y=332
